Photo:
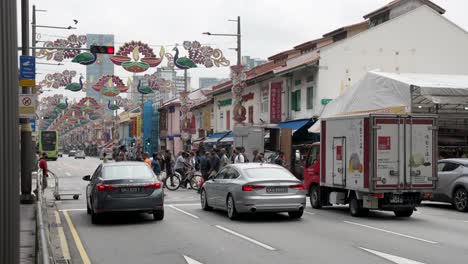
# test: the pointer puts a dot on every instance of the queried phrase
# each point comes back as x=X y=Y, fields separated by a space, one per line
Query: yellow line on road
x=76 y=237
x=63 y=240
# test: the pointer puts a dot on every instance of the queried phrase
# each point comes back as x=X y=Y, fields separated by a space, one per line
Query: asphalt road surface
x=436 y=233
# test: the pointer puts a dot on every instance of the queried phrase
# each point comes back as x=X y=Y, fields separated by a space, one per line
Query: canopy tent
x=401 y=93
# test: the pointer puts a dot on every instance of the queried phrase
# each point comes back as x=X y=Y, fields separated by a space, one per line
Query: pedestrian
x=179 y=166
x=214 y=164
x=191 y=160
x=242 y=152
x=104 y=157
x=204 y=165
x=239 y=157
x=146 y=159
x=256 y=156
x=155 y=165
x=262 y=157
x=234 y=155
x=45 y=171
x=168 y=162
x=122 y=154
x=279 y=159
x=224 y=161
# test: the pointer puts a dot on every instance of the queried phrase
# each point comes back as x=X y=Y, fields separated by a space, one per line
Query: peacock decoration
x=142 y=57
x=144 y=89
x=182 y=63
x=112 y=106
x=63 y=106
x=75 y=87
x=85 y=58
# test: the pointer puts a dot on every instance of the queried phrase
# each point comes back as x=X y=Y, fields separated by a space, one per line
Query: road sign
x=27 y=106
x=27 y=71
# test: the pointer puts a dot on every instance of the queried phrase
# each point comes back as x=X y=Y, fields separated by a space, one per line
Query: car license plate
x=396 y=199
x=130 y=190
x=277 y=189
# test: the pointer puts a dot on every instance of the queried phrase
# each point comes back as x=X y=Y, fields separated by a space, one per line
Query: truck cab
x=312 y=167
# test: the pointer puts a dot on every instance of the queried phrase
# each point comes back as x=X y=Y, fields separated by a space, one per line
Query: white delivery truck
x=374 y=161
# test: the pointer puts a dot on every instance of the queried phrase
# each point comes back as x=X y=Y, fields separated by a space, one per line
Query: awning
x=294 y=125
x=216 y=136
x=227 y=138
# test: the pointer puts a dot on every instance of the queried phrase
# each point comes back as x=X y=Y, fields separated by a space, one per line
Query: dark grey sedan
x=124 y=186
x=254 y=187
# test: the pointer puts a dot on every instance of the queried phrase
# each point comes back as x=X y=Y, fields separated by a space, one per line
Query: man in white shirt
x=239 y=157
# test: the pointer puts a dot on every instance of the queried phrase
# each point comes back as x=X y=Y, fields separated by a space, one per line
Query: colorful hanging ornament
x=238 y=78
x=110 y=90
x=51 y=53
x=112 y=106
x=197 y=55
x=75 y=87
x=135 y=49
x=63 y=105
x=85 y=58
x=58 y=79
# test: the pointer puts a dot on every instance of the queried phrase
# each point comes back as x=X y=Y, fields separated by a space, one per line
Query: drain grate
x=62 y=261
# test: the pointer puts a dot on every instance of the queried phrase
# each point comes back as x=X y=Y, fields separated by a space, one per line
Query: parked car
x=124 y=186
x=60 y=154
x=72 y=153
x=80 y=155
x=254 y=187
x=452 y=186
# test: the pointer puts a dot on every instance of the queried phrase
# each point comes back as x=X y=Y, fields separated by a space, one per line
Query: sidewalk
x=28 y=233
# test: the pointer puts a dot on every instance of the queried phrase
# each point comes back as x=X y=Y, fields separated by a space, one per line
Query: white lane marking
x=391 y=232
x=246 y=238
x=72 y=209
x=191 y=260
x=465 y=221
x=392 y=258
x=67 y=173
x=184 y=212
x=166 y=205
x=186 y=204
x=309 y=213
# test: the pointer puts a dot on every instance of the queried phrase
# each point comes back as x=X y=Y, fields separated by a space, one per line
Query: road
x=434 y=234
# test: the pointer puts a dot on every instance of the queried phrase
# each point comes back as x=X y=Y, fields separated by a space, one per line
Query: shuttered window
x=310 y=97
x=296 y=100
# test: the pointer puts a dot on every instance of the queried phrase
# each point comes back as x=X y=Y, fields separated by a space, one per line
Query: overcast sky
x=268 y=26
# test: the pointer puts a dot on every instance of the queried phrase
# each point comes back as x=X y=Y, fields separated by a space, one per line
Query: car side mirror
x=87 y=178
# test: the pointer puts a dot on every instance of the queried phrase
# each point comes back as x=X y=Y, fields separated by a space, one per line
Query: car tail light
x=248 y=188
x=298 y=187
x=153 y=186
x=379 y=195
x=103 y=187
x=427 y=195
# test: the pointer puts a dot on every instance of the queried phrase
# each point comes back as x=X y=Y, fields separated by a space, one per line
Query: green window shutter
x=298 y=100
x=310 y=97
x=297 y=82
x=293 y=100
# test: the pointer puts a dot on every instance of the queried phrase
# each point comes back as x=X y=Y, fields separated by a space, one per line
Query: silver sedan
x=124 y=186
x=254 y=187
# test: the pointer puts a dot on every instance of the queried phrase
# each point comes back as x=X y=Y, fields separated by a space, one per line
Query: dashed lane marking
x=392 y=258
x=67 y=173
x=76 y=237
x=184 y=212
x=191 y=260
x=391 y=232
x=245 y=238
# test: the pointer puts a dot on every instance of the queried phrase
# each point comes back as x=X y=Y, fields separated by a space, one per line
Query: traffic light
x=148 y=141
x=102 y=49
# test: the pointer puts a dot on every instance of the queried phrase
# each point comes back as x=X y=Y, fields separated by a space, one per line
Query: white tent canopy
x=383 y=92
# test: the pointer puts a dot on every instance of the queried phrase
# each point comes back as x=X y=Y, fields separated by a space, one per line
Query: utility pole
x=239 y=62
x=26 y=135
x=9 y=166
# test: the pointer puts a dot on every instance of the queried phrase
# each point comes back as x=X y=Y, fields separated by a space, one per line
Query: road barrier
x=43 y=246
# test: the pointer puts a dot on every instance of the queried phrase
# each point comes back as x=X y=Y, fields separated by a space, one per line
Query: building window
x=297 y=82
x=228 y=120
x=296 y=100
x=310 y=79
x=310 y=97
x=251 y=118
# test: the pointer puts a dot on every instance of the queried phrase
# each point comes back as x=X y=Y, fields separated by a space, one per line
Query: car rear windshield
x=269 y=173
x=127 y=172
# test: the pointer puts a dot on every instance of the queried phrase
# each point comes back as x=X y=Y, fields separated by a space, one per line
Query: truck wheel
x=355 y=208
x=460 y=200
x=404 y=213
x=315 y=199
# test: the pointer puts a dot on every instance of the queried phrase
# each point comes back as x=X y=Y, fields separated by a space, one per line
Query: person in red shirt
x=45 y=172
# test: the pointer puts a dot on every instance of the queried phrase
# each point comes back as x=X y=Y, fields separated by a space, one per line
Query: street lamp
x=238 y=35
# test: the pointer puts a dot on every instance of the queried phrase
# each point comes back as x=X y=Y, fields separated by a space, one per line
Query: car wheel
x=315 y=200
x=355 y=207
x=231 y=208
x=204 y=201
x=95 y=218
x=460 y=200
x=296 y=214
x=403 y=213
x=158 y=214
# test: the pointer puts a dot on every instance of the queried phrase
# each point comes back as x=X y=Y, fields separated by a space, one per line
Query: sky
x=268 y=26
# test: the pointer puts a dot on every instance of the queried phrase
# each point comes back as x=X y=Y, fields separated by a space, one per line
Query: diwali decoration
x=75 y=87
x=238 y=78
x=85 y=58
x=112 y=106
x=110 y=90
x=197 y=55
x=157 y=83
x=63 y=105
x=58 y=79
x=143 y=89
x=137 y=49
x=71 y=42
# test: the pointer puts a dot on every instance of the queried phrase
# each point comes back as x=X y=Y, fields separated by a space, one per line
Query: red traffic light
x=102 y=49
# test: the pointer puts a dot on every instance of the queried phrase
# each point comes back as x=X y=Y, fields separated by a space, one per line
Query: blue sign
x=33 y=124
x=27 y=67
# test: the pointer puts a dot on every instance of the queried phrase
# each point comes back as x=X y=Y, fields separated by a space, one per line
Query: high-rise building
x=249 y=62
x=101 y=67
x=207 y=82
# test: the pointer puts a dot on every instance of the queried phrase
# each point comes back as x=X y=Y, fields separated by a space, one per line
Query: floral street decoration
x=238 y=78
x=58 y=79
x=137 y=49
x=51 y=53
x=114 y=85
x=197 y=55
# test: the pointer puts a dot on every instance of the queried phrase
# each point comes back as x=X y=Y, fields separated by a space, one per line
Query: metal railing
x=43 y=255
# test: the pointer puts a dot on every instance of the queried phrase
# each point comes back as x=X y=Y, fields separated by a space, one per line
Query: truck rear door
x=389 y=149
x=420 y=153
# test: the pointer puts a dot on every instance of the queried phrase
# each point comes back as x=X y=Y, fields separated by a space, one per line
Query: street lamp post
x=238 y=35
